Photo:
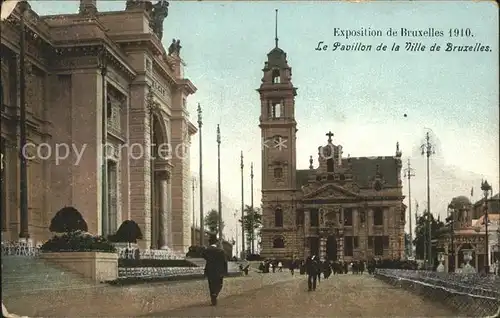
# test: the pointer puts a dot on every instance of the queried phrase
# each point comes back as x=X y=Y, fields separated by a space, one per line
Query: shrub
x=66 y=220
x=128 y=232
x=78 y=241
x=195 y=251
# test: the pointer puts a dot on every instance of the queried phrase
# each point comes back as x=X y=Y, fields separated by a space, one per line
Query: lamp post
x=219 y=185
x=486 y=190
x=202 y=227
x=193 y=187
x=451 y=223
x=251 y=204
x=236 y=232
x=242 y=209
x=409 y=173
x=428 y=150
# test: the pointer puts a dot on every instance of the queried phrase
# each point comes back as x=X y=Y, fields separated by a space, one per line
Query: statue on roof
x=175 y=47
x=158 y=14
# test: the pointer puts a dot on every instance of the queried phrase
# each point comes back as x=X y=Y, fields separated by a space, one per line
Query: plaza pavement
x=339 y=296
x=257 y=295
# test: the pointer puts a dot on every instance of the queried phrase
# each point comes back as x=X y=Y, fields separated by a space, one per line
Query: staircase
x=23 y=274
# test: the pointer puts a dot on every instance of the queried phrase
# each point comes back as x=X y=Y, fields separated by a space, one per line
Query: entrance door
x=331 y=248
x=314 y=245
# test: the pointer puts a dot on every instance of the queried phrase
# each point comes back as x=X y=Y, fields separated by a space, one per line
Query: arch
x=276 y=76
x=278 y=242
x=329 y=165
x=378 y=216
x=160 y=130
x=278 y=217
x=161 y=150
x=331 y=248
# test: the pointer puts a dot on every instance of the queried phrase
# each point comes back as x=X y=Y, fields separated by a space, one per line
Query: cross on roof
x=330 y=135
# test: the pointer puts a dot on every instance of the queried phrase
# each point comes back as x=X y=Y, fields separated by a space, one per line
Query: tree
x=252 y=222
x=66 y=220
x=421 y=233
x=212 y=221
x=128 y=232
x=408 y=245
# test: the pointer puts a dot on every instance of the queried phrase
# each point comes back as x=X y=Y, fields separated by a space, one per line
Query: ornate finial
x=329 y=135
x=311 y=162
x=398 y=152
x=241 y=160
x=251 y=170
x=276 y=29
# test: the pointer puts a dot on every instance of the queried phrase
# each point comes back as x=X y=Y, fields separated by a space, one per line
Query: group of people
x=270 y=265
x=217 y=267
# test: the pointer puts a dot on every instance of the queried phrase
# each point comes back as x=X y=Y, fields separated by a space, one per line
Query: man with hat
x=215 y=268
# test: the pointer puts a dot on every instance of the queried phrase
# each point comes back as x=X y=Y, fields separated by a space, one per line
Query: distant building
x=469 y=233
x=68 y=98
x=343 y=208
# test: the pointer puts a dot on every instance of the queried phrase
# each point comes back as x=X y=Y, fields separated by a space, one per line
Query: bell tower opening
x=275 y=110
x=276 y=76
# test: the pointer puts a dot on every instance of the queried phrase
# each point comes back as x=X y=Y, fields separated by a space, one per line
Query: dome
x=460 y=201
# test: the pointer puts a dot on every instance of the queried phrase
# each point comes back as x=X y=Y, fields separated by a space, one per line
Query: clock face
x=377 y=186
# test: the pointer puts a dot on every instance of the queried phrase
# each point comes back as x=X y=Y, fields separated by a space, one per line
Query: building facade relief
x=68 y=96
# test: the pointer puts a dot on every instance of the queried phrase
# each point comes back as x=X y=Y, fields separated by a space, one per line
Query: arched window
x=276 y=110
x=329 y=165
x=276 y=76
x=378 y=216
x=278 y=242
x=278 y=217
x=278 y=173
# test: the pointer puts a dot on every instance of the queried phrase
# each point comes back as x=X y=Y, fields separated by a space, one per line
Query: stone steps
x=22 y=274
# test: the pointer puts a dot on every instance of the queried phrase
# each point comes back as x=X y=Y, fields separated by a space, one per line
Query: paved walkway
x=131 y=301
x=276 y=294
x=339 y=296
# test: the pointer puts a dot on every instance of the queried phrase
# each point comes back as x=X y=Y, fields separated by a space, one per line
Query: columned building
x=345 y=208
x=83 y=70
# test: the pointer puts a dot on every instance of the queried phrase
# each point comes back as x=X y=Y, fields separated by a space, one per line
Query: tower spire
x=276 y=29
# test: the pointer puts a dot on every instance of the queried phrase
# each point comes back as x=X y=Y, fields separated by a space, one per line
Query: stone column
x=165 y=215
x=340 y=248
x=322 y=247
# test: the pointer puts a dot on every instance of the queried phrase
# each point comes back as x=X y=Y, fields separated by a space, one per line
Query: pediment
x=332 y=191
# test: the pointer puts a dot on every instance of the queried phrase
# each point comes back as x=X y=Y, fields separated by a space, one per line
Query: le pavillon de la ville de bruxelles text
x=409 y=40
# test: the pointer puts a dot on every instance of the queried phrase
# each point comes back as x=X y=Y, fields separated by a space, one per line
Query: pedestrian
x=215 y=268
x=280 y=266
x=312 y=272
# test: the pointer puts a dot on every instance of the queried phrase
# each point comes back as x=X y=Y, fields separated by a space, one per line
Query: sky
x=362 y=97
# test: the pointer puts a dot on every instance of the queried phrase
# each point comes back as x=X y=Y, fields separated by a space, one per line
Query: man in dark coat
x=215 y=268
x=312 y=270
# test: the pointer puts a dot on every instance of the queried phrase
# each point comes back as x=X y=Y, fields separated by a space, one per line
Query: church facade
x=103 y=89
x=344 y=208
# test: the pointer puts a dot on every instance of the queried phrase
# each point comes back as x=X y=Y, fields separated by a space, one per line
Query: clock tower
x=278 y=132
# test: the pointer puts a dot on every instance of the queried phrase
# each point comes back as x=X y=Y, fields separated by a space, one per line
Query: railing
x=20 y=248
x=137 y=253
x=470 y=294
